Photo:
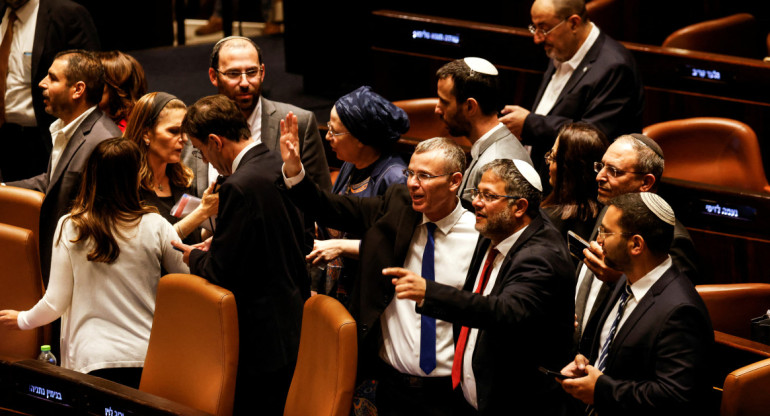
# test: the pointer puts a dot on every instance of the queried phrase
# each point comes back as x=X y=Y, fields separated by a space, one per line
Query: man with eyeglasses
x=632 y=163
x=420 y=226
x=651 y=352
x=468 y=102
x=590 y=78
x=238 y=71
x=514 y=313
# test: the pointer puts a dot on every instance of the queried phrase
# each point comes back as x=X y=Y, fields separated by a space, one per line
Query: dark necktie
x=5 y=51
x=590 y=410
x=462 y=340
x=428 y=324
x=606 y=347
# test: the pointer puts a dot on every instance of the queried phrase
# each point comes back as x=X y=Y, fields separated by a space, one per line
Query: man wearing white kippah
x=468 y=102
x=514 y=313
x=651 y=352
x=633 y=163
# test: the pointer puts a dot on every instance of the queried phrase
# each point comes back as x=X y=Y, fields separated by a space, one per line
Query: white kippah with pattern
x=480 y=65
x=659 y=207
x=529 y=173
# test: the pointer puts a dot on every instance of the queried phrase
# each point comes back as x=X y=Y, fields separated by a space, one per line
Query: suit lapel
x=407 y=224
x=498 y=135
x=582 y=69
x=534 y=226
x=544 y=83
x=482 y=245
x=270 y=124
x=77 y=140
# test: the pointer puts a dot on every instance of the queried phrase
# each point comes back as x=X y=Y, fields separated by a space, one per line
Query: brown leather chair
x=747 y=391
x=21 y=207
x=325 y=375
x=711 y=150
x=22 y=288
x=424 y=123
x=736 y=35
x=607 y=14
x=731 y=306
x=192 y=358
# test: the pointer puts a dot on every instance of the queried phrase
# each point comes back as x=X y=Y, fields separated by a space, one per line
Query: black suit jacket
x=61 y=25
x=659 y=359
x=256 y=253
x=604 y=90
x=682 y=253
x=387 y=224
x=525 y=322
x=61 y=187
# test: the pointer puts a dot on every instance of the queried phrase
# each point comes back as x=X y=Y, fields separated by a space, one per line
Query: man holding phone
x=514 y=313
x=633 y=163
x=651 y=352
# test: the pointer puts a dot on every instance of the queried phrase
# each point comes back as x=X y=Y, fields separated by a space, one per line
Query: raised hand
x=290 y=146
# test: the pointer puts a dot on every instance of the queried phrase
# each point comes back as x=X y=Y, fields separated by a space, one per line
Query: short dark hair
x=214 y=62
x=84 y=66
x=637 y=218
x=516 y=184
x=485 y=89
x=215 y=114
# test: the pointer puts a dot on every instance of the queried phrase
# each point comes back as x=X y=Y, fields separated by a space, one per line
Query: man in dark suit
x=42 y=29
x=514 y=313
x=633 y=163
x=71 y=90
x=417 y=226
x=237 y=70
x=651 y=352
x=468 y=101
x=590 y=78
x=255 y=252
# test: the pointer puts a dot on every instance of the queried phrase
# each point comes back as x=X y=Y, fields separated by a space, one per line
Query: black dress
x=164 y=205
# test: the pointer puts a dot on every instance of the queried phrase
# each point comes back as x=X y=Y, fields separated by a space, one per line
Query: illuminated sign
x=435 y=36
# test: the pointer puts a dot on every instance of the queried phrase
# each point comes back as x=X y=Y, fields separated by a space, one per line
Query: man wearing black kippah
x=237 y=70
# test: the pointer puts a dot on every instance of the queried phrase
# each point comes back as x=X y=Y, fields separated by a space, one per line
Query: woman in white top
x=106 y=262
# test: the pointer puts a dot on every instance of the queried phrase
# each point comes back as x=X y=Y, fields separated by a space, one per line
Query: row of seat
x=194 y=335
x=737 y=35
x=710 y=150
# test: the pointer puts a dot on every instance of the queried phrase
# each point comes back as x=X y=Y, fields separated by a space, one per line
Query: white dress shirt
x=255 y=122
x=638 y=290
x=237 y=160
x=596 y=284
x=455 y=240
x=18 y=87
x=468 y=380
x=476 y=148
x=563 y=72
x=61 y=135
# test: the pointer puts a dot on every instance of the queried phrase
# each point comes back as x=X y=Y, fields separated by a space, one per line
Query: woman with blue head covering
x=363 y=127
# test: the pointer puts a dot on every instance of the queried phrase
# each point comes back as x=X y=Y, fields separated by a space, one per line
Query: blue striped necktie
x=428 y=324
x=606 y=347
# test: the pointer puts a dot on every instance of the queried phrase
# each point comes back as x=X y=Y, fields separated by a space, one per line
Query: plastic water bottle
x=46 y=355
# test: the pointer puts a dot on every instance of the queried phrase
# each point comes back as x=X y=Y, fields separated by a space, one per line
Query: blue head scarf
x=372 y=119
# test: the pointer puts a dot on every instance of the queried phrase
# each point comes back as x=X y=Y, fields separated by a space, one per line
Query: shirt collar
x=577 y=58
x=641 y=286
x=237 y=160
x=505 y=246
x=476 y=148
x=255 y=121
x=69 y=129
x=24 y=12
x=445 y=224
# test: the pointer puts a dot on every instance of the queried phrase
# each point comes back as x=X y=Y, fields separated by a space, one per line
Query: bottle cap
x=45 y=348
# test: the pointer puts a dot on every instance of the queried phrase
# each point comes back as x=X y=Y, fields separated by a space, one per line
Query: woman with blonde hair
x=155 y=125
x=108 y=253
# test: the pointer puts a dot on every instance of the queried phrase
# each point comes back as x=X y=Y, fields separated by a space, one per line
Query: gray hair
x=454 y=155
x=647 y=160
